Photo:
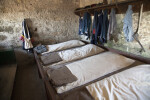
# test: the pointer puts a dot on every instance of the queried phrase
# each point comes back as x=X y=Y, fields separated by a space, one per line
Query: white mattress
x=131 y=84
x=81 y=52
x=94 y=67
x=78 y=53
x=63 y=45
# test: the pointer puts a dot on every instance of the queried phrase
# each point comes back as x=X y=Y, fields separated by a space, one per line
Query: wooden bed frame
x=50 y=90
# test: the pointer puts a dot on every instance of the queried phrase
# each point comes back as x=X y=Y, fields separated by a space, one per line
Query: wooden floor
x=27 y=85
x=7 y=77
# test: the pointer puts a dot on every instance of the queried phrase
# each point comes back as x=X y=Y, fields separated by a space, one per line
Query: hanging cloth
x=99 y=27
x=94 y=27
x=86 y=27
x=80 y=26
x=112 y=23
x=27 y=39
x=105 y=23
x=127 y=26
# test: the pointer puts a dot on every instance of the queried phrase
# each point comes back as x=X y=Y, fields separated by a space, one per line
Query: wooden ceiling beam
x=120 y=7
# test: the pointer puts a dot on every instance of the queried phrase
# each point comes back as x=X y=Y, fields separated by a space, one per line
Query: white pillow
x=64 y=45
x=81 y=52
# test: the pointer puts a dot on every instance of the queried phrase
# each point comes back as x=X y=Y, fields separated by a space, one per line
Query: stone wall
x=49 y=21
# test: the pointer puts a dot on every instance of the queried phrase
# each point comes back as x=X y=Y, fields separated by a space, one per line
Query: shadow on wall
x=36 y=37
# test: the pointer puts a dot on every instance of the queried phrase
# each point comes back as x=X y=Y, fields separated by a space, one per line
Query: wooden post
x=105 y=2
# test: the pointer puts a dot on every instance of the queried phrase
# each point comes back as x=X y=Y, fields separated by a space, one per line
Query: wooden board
x=7 y=77
x=121 y=7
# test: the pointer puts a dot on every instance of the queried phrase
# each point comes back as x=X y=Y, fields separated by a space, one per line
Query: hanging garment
x=94 y=27
x=80 y=25
x=24 y=30
x=112 y=23
x=86 y=24
x=104 y=30
x=27 y=40
x=99 y=27
x=127 y=27
x=22 y=37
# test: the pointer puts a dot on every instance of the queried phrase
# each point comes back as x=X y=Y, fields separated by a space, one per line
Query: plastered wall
x=49 y=21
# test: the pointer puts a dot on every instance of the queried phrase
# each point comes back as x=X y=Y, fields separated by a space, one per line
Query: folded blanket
x=61 y=76
x=50 y=58
x=57 y=66
x=40 y=48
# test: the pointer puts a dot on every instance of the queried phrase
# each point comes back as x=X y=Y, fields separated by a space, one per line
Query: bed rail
x=127 y=54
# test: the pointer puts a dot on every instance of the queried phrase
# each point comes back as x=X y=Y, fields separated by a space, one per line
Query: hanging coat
x=80 y=25
x=104 y=30
x=94 y=27
x=127 y=26
x=86 y=26
x=27 y=44
x=112 y=23
x=99 y=27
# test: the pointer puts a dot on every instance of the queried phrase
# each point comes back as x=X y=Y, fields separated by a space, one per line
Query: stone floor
x=28 y=85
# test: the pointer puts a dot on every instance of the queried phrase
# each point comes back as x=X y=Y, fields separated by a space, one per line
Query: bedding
x=55 y=66
x=72 y=54
x=61 y=76
x=131 y=84
x=51 y=58
x=63 y=46
x=91 y=68
x=40 y=48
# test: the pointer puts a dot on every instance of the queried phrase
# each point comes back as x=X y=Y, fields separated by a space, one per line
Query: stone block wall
x=49 y=21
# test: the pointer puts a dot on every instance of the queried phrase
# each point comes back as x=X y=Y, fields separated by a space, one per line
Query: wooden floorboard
x=7 y=77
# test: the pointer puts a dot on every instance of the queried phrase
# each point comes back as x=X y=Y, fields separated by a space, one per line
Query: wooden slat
x=127 y=54
x=50 y=90
x=42 y=74
x=7 y=78
x=120 y=7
